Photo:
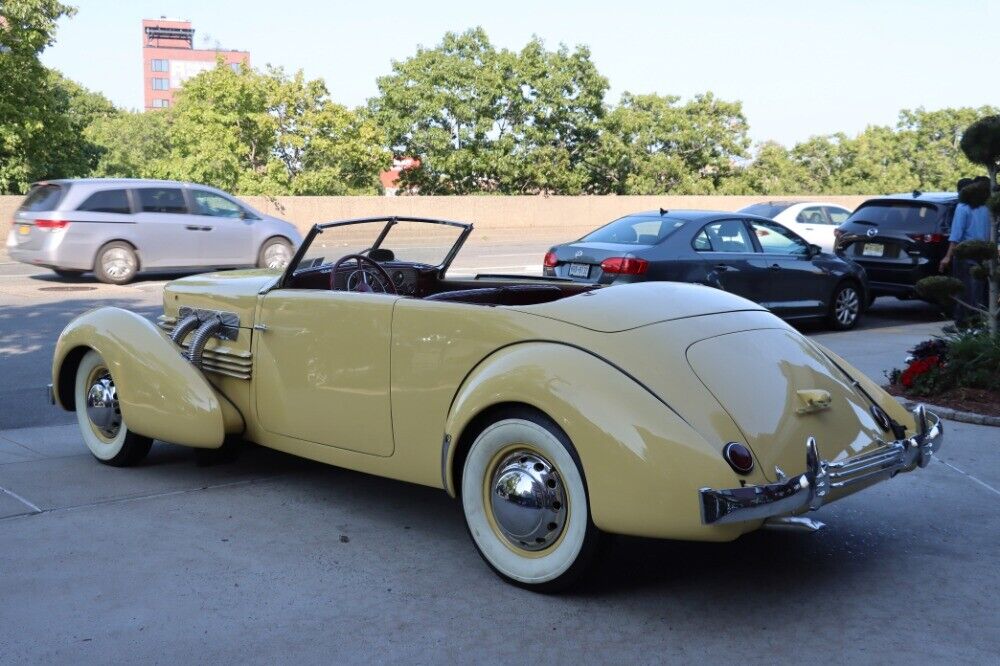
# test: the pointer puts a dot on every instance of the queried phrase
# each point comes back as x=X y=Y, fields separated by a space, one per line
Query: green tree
x=131 y=144
x=270 y=133
x=42 y=114
x=653 y=144
x=773 y=171
x=487 y=120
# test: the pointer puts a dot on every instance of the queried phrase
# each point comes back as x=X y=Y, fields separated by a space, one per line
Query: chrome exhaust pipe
x=794 y=524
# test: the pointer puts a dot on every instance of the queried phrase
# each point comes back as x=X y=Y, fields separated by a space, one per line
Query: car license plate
x=873 y=250
x=579 y=270
x=24 y=229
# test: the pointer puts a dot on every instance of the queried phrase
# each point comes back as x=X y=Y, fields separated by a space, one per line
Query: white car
x=813 y=220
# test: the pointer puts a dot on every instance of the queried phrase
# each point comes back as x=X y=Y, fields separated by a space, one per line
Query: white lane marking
x=27 y=503
x=979 y=481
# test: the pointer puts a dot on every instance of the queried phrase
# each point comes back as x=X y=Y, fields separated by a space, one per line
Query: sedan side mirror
x=813 y=250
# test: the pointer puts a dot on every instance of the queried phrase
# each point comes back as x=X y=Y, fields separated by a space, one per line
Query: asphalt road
x=271 y=558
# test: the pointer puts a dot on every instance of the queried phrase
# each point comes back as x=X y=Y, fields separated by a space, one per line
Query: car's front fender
x=642 y=462
x=160 y=393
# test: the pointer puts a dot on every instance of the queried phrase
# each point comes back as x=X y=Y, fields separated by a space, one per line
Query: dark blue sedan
x=751 y=256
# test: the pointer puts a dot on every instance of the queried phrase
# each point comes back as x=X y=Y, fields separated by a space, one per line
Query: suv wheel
x=116 y=263
x=845 y=306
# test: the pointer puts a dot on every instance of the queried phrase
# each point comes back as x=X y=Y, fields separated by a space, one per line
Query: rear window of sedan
x=901 y=215
x=108 y=201
x=634 y=230
x=766 y=209
x=43 y=197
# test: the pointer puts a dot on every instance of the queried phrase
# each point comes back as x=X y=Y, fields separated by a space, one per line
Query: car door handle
x=206 y=228
x=193 y=227
x=722 y=267
x=775 y=267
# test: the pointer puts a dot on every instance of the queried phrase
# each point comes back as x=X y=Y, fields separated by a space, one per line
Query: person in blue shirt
x=971 y=221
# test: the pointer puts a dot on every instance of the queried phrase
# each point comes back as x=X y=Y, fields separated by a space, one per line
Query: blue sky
x=799 y=67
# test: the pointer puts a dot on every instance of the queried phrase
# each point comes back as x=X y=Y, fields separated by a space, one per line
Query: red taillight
x=550 y=260
x=738 y=457
x=928 y=238
x=624 y=265
x=51 y=224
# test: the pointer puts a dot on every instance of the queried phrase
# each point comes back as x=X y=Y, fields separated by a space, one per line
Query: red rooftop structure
x=169 y=58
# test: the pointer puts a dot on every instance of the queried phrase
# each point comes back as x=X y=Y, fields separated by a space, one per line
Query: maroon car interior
x=419 y=281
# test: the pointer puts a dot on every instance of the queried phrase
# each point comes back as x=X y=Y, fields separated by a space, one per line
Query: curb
x=953 y=414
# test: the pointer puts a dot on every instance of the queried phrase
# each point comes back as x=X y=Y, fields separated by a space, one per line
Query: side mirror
x=813 y=250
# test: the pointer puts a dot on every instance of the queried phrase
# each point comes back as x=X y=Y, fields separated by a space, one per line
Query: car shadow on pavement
x=28 y=335
x=90 y=278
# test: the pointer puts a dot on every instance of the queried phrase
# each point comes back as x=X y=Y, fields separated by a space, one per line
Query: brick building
x=169 y=58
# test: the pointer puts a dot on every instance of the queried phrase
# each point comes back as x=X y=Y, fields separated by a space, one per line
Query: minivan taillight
x=624 y=265
x=550 y=260
x=928 y=238
x=51 y=224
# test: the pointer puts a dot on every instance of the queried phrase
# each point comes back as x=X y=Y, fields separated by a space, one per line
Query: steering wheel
x=388 y=286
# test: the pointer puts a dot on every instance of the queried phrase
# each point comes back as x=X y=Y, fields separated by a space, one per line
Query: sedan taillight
x=624 y=265
x=928 y=238
x=51 y=224
x=550 y=260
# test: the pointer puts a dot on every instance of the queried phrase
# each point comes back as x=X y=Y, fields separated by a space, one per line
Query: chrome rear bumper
x=810 y=489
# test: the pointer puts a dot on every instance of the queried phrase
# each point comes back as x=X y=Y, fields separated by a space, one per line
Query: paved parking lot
x=271 y=558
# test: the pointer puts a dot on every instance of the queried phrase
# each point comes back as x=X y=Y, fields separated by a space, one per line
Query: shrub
x=939 y=289
x=976 y=250
x=976 y=194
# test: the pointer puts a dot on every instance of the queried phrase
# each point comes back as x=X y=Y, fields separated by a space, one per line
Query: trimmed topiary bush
x=940 y=289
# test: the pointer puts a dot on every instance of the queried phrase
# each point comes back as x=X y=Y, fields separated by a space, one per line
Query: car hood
x=231 y=291
x=628 y=306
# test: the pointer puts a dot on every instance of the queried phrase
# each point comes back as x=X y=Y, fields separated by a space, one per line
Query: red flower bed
x=918 y=367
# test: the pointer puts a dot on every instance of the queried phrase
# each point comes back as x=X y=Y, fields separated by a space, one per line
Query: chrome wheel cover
x=102 y=405
x=847 y=306
x=527 y=500
x=118 y=263
x=277 y=255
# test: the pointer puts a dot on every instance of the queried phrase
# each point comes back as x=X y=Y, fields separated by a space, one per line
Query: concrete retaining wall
x=497 y=218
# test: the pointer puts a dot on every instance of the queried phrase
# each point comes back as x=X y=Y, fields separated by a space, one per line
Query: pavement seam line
x=979 y=481
x=31 y=505
x=134 y=498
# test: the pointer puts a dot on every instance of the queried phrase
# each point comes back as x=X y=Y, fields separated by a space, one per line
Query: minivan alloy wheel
x=277 y=255
x=118 y=263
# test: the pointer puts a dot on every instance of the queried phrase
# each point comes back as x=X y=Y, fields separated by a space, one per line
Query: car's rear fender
x=160 y=393
x=643 y=464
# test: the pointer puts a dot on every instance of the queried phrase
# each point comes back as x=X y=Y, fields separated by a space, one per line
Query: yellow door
x=321 y=370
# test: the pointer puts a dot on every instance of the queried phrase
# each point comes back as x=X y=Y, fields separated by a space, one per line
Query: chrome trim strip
x=809 y=490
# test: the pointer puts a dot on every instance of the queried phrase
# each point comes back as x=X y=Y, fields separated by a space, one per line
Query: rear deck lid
x=628 y=306
x=768 y=381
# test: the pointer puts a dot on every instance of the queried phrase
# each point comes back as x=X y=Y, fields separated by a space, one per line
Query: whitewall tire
x=525 y=502
x=97 y=412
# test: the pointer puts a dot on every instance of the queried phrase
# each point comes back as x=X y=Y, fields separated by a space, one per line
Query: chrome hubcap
x=277 y=255
x=118 y=263
x=102 y=406
x=846 y=307
x=528 y=501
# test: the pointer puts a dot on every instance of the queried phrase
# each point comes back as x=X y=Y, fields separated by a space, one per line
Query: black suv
x=898 y=239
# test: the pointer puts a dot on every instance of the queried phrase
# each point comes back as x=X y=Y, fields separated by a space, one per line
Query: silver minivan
x=117 y=227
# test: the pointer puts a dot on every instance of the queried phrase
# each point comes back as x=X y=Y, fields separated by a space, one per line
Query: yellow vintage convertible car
x=555 y=411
